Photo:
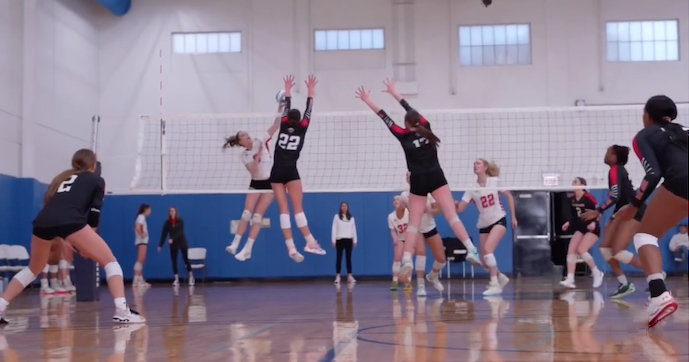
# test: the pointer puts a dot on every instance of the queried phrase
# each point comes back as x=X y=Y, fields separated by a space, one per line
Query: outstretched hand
x=289 y=83
x=390 y=86
x=363 y=94
x=311 y=84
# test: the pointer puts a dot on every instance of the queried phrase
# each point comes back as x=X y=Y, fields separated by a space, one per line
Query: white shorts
x=141 y=242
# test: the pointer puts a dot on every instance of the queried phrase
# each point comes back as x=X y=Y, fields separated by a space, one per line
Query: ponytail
x=57 y=181
x=678 y=134
x=231 y=141
x=429 y=135
x=493 y=170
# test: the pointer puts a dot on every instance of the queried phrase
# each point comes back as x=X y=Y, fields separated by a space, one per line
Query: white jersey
x=260 y=147
x=427 y=220
x=487 y=202
x=399 y=225
x=141 y=220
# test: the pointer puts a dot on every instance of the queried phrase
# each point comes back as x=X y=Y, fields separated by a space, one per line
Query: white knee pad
x=64 y=264
x=25 y=277
x=256 y=219
x=284 y=221
x=413 y=229
x=246 y=215
x=571 y=258
x=300 y=219
x=420 y=263
x=607 y=253
x=490 y=261
x=453 y=220
x=46 y=269
x=438 y=265
x=54 y=268
x=586 y=257
x=138 y=266
x=624 y=256
x=113 y=269
x=642 y=239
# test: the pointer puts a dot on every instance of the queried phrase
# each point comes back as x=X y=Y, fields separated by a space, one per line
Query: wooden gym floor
x=313 y=322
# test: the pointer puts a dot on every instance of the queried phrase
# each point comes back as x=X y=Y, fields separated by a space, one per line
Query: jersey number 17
x=420 y=142
x=288 y=142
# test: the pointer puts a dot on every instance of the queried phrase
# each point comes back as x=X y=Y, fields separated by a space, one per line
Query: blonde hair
x=82 y=160
x=492 y=168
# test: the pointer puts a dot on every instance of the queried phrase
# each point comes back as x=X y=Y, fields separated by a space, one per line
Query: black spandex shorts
x=62 y=231
x=259 y=185
x=487 y=229
x=583 y=228
x=283 y=175
x=638 y=216
x=679 y=187
x=422 y=184
x=431 y=233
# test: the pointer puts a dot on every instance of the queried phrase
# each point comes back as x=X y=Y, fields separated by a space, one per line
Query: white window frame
x=194 y=43
x=348 y=39
x=642 y=41
x=494 y=45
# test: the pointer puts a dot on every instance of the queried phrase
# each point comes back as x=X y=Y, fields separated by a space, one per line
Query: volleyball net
x=354 y=151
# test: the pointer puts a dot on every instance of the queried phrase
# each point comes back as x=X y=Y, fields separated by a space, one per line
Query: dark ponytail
x=231 y=141
x=622 y=154
x=662 y=111
x=413 y=119
x=142 y=209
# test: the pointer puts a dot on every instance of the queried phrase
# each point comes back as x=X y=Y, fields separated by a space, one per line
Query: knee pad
x=607 y=253
x=586 y=257
x=413 y=229
x=642 y=239
x=54 y=268
x=571 y=258
x=300 y=219
x=25 y=277
x=64 y=264
x=46 y=269
x=138 y=266
x=420 y=263
x=112 y=270
x=256 y=219
x=246 y=215
x=490 y=261
x=438 y=265
x=624 y=256
x=284 y=221
x=453 y=220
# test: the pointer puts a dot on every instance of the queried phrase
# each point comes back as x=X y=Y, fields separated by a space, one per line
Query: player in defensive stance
x=586 y=234
x=398 y=222
x=662 y=148
x=618 y=234
x=284 y=176
x=492 y=219
x=71 y=195
x=420 y=148
x=259 y=162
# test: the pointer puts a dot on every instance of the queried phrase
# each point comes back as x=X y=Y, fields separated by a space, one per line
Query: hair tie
x=667 y=119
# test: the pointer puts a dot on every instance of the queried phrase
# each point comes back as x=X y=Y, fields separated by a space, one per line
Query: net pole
x=143 y=120
x=95 y=121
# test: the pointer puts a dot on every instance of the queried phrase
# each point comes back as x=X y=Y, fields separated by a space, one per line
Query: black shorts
x=283 y=175
x=422 y=184
x=583 y=228
x=638 y=216
x=679 y=187
x=259 y=185
x=430 y=234
x=62 y=231
x=487 y=229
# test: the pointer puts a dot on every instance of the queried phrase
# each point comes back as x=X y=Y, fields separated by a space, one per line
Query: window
x=642 y=41
x=495 y=45
x=206 y=43
x=354 y=39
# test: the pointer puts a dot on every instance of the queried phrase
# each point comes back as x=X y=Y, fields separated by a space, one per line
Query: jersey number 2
x=66 y=185
x=420 y=142
x=287 y=142
x=487 y=201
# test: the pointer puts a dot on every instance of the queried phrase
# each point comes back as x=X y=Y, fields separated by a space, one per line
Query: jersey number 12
x=288 y=142
x=66 y=185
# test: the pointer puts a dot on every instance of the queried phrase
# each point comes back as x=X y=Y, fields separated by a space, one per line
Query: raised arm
x=311 y=86
x=276 y=124
x=365 y=96
x=644 y=150
x=391 y=88
x=289 y=83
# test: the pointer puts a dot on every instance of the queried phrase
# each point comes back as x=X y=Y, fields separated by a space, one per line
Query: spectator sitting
x=679 y=245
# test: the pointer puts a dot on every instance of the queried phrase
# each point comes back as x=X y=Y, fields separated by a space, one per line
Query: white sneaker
x=232 y=248
x=298 y=258
x=69 y=287
x=243 y=255
x=660 y=308
x=472 y=256
x=351 y=280
x=568 y=284
x=45 y=289
x=176 y=282
x=127 y=316
x=503 y=280
x=493 y=289
x=337 y=280
x=435 y=280
x=55 y=285
x=598 y=278
x=420 y=290
x=192 y=281
x=314 y=249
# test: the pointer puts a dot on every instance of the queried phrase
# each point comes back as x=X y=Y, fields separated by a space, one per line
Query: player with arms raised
x=259 y=162
x=284 y=177
x=662 y=146
x=492 y=219
x=420 y=148
x=398 y=222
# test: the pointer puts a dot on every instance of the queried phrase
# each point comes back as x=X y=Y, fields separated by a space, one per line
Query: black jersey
x=290 y=139
x=621 y=188
x=579 y=206
x=74 y=198
x=422 y=156
x=662 y=156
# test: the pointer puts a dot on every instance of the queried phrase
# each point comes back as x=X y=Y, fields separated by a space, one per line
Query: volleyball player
x=398 y=222
x=71 y=195
x=662 y=148
x=420 y=148
x=492 y=219
x=618 y=234
x=141 y=243
x=258 y=161
x=586 y=233
x=284 y=176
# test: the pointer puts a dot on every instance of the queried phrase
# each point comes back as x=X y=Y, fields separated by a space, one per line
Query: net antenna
x=355 y=152
x=95 y=121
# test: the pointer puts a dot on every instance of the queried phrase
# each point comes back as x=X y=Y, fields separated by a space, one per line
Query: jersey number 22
x=288 y=142
x=487 y=201
x=66 y=185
